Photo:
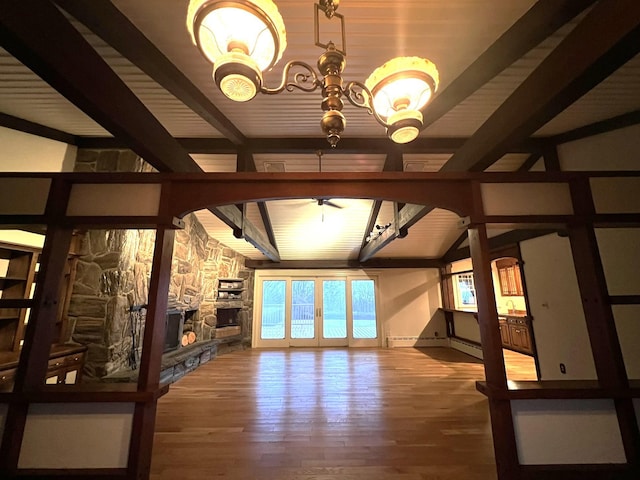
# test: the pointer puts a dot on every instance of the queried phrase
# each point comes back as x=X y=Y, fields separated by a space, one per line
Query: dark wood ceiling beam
x=551 y=158
x=499 y=241
x=529 y=162
x=246 y=163
x=38 y=34
x=25 y=126
x=393 y=163
x=542 y=19
x=343 y=264
x=104 y=19
x=407 y=217
x=597 y=128
x=242 y=228
x=605 y=39
x=307 y=145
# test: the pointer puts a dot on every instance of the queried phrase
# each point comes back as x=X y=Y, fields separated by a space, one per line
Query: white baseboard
x=466 y=347
x=398 y=342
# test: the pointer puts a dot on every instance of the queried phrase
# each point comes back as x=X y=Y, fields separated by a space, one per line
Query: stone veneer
x=113 y=272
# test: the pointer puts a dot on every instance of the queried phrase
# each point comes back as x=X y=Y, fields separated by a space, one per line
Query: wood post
x=153 y=344
x=504 y=442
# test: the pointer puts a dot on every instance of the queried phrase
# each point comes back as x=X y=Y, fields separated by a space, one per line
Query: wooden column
x=152 y=347
x=601 y=327
x=504 y=442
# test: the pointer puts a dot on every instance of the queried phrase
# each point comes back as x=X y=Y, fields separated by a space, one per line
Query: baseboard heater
x=469 y=348
x=395 y=342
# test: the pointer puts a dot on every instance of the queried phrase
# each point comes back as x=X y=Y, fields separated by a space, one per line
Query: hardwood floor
x=327 y=414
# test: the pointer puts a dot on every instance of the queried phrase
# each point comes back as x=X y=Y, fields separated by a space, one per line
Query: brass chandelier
x=244 y=38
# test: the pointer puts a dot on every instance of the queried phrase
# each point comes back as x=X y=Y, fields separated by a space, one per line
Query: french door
x=316 y=312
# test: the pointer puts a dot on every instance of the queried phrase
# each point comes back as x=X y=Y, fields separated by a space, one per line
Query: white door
x=315 y=312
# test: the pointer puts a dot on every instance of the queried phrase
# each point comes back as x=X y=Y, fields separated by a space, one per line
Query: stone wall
x=112 y=277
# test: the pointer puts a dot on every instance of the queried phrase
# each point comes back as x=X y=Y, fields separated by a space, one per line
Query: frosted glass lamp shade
x=246 y=37
x=401 y=88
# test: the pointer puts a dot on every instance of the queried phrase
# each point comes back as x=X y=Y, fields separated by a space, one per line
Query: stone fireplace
x=110 y=292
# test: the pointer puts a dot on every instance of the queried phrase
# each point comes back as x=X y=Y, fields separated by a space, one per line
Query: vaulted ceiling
x=518 y=77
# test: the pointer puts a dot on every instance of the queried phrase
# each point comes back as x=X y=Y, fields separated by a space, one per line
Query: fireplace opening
x=173 y=330
x=227 y=317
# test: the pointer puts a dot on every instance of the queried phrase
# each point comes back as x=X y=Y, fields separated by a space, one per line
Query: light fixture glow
x=243 y=38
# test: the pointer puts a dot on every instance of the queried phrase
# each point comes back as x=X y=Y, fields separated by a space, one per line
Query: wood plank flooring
x=327 y=414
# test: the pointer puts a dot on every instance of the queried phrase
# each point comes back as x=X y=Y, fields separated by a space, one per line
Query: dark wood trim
x=76 y=474
x=500 y=410
x=551 y=159
x=266 y=221
x=455 y=245
x=555 y=389
x=296 y=145
x=153 y=341
x=465 y=340
x=86 y=393
x=141 y=444
x=421 y=263
x=579 y=472
x=25 y=126
x=603 y=126
x=529 y=162
x=624 y=299
x=371 y=223
x=607 y=354
x=606 y=38
x=52 y=48
x=542 y=19
x=104 y=19
x=243 y=228
x=499 y=242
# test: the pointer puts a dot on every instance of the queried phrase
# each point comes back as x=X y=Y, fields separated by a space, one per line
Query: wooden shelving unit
x=18 y=277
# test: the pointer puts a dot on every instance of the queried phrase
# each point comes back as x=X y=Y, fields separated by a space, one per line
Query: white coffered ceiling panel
x=305 y=230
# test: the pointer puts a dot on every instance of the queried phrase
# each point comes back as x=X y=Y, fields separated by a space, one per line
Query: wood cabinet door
x=520 y=338
x=504 y=333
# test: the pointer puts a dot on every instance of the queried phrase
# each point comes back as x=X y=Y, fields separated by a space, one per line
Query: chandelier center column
x=331 y=65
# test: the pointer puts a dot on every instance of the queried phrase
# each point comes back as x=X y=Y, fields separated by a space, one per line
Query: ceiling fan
x=327 y=202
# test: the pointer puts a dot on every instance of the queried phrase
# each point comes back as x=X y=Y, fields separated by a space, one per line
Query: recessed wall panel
x=526 y=199
x=114 y=200
x=556 y=432
x=620 y=259
x=77 y=435
x=23 y=196
x=616 y=194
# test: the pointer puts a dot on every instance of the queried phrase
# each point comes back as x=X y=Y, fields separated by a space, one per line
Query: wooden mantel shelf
x=557 y=389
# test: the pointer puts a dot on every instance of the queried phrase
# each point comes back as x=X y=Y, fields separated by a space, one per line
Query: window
x=465 y=290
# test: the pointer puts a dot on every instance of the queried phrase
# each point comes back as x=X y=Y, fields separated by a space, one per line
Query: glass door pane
x=303 y=309
x=363 y=309
x=334 y=309
x=273 y=310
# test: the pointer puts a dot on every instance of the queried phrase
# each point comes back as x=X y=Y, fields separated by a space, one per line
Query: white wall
x=621 y=263
x=410 y=300
x=567 y=431
x=78 y=435
x=554 y=299
x=616 y=150
x=22 y=152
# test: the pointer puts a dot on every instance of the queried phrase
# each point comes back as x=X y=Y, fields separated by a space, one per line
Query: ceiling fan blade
x=329 y=203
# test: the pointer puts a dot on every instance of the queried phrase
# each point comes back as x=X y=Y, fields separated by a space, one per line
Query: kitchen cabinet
x=515 y=332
